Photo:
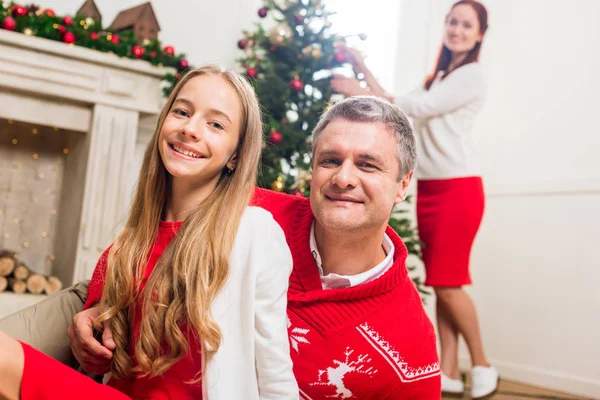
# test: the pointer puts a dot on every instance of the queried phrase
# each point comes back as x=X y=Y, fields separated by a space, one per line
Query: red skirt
x=449 y=212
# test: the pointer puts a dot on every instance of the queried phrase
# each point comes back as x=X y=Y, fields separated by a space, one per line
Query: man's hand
x=93 y=356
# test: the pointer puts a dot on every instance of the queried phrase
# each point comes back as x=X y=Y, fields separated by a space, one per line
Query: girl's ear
x=232 y=163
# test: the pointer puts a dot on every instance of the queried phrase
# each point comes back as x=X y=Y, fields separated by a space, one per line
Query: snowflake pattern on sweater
x=360 y=364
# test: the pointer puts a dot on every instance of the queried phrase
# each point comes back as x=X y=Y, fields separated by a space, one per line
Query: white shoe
x=452 y=386
x=485 y=381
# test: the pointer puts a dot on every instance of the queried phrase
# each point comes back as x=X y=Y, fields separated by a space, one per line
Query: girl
x=450 y=197
x=194 y=288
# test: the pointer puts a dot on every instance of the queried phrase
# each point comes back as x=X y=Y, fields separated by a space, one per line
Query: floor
x=515 y=391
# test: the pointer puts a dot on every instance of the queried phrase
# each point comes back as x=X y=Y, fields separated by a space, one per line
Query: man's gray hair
x=373 y=109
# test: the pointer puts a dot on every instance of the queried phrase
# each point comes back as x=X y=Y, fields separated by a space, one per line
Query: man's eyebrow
x=370 y=157
x=329 y=152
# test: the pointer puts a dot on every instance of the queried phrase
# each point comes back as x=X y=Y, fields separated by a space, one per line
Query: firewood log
x=17 y=285
x=7 y=265
x=21 y=272
x=3 y=284
x=36 y=283
x=53 y=285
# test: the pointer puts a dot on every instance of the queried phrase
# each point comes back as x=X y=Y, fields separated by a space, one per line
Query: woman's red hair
x=443 y=61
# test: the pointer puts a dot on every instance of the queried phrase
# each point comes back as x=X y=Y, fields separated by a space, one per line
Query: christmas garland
x=32 y=20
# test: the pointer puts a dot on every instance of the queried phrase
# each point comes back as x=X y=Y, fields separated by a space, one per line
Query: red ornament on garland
x=94 y=36
x=19 y=11
x=9 y=24
x=137 y=51
x=339 y=56
x=183 y=64
x=115 y=39
x=178 y=76
x=152 y=54
x=61 y=29
x=251 y=72
x=67 y=20
x=242 y=44
x=275 y=137
x=263 y=12
x=170 y=50
x=68 y=38
x=296 y=84
x=49 y=12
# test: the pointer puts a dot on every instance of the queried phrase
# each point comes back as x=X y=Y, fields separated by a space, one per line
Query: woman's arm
x=462 y=86
x=272 y=350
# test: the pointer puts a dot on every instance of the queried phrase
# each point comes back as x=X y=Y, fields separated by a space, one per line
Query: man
x=356 y=324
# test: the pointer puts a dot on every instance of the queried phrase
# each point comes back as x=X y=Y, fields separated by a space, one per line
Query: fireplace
x=73 y=126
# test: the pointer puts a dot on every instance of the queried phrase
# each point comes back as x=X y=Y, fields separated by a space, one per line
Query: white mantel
x=104 y=97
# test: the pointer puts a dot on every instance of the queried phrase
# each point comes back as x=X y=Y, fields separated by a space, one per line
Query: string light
x=66 y=151
x=45 y=234
x=35 y=131
x=25 y=244
x=15 y=141
x=35 y=156
x=52 y=257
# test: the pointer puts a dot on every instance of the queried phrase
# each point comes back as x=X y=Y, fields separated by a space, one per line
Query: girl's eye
x=217 y=125
x=181 y=112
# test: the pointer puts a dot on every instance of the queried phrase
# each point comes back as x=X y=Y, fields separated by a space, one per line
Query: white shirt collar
x=331 y=281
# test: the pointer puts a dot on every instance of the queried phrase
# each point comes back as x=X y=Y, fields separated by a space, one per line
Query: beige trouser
x=44 y=325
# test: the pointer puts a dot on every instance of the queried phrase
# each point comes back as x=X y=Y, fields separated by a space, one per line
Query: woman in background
x=450 y=197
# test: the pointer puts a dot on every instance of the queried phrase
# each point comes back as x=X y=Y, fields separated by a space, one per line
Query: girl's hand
x=348 y=86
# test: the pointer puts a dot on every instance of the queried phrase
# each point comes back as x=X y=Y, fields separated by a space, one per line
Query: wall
x=534 y=263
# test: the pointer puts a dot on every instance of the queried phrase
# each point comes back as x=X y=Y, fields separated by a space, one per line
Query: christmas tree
x=290 y=65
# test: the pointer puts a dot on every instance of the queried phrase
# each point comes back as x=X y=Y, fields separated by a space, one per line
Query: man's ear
x=403 y=185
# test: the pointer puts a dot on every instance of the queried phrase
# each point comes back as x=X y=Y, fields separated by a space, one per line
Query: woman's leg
x=449 y=342
x=461 y=310
x=12 y=361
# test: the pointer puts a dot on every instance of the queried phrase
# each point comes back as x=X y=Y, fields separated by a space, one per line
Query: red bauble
x=19 y=11
x=251 y=72
x=68 y=38
x=61 y=29
x=49 y=12
x=275 y=137
x=299 y=56
x=152 y=54
x=296 y=85
x=115 y=39
x=339 y=56
x=242 y=44
x=178 y=76
x=183 y=64
x=170 y=50
x=94 y=36
x=263 y=12
x=138 y=51
x=9 y=24
x=67 y=20
x=299 y=19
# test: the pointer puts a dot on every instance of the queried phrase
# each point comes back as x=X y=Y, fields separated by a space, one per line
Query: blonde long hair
x=194 y=266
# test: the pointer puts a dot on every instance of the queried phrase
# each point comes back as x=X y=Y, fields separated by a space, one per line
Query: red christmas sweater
x=372 y=341
x=172 y=384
